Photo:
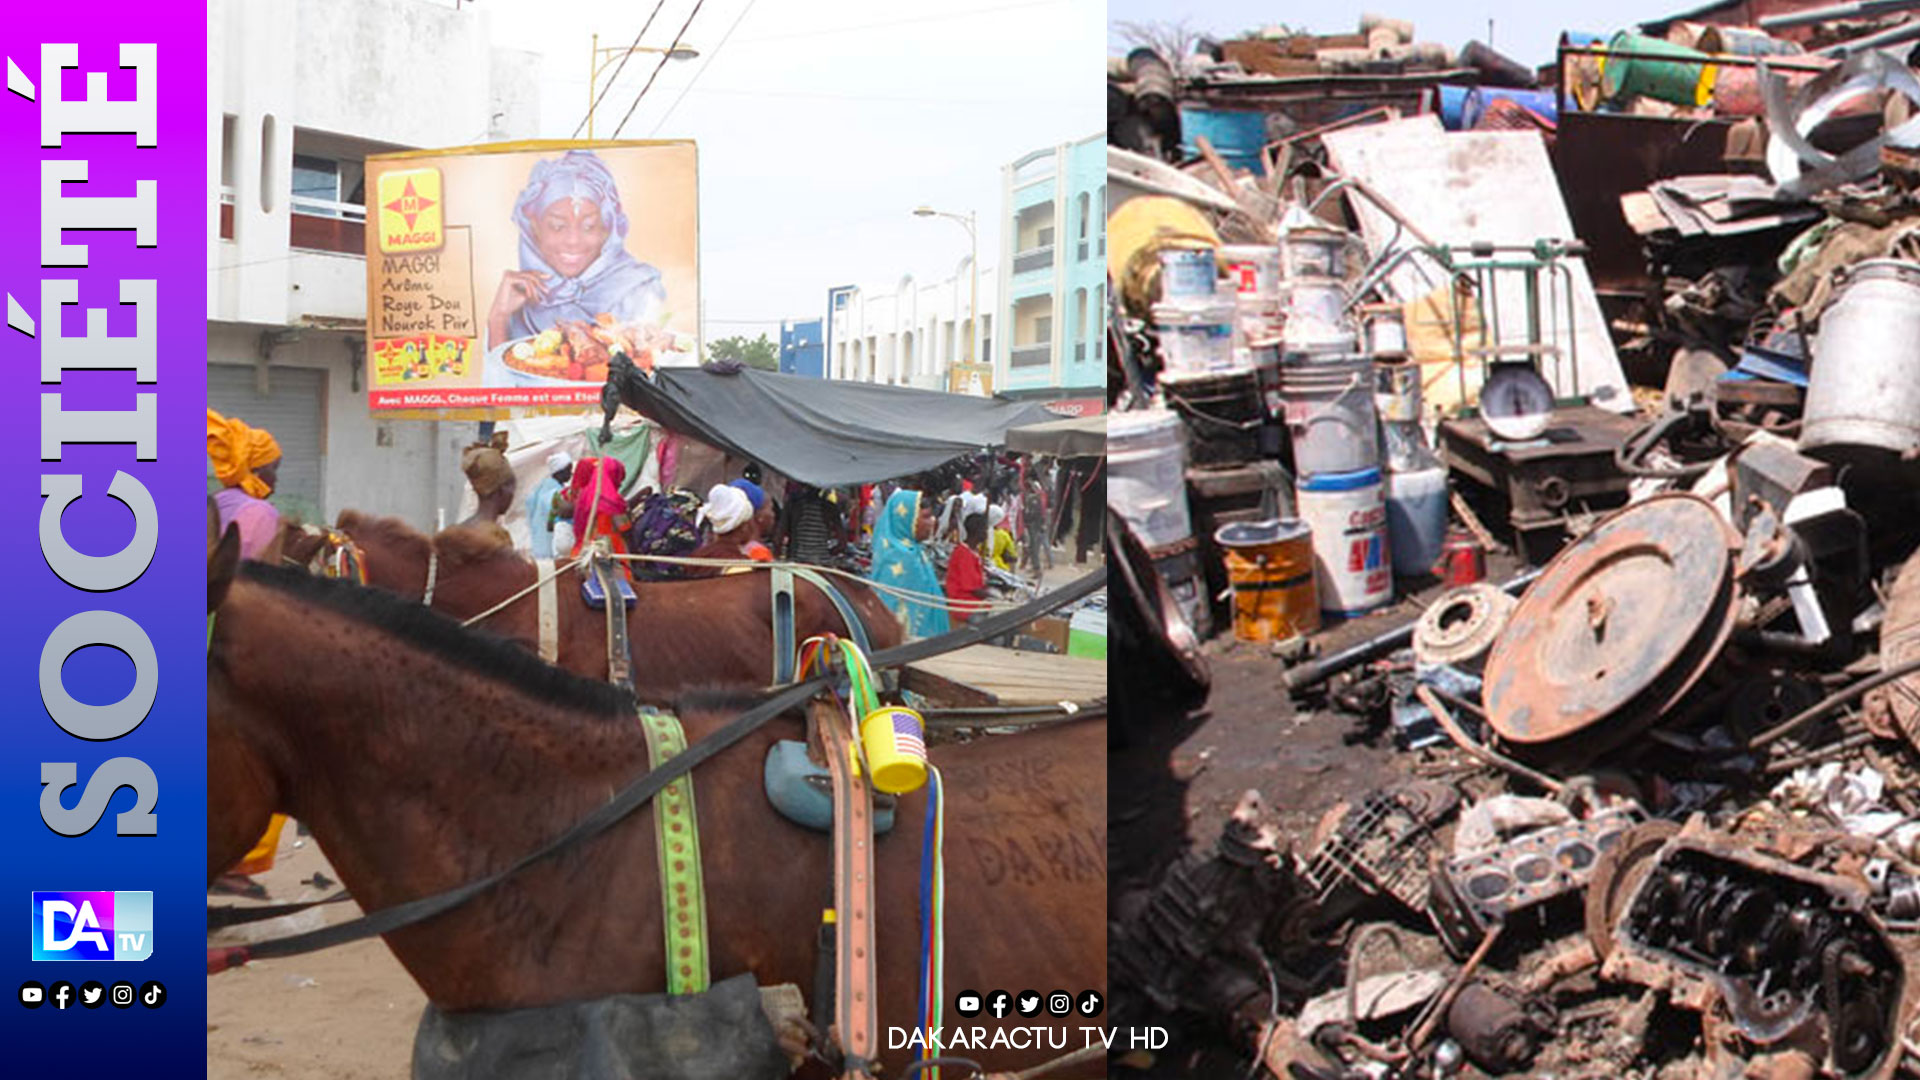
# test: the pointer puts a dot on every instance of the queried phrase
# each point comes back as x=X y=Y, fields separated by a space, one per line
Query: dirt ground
x=346 y=1013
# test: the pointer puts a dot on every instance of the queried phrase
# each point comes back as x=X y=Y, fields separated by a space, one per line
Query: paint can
x=1253 y=269
x=1224 y=415
x=1347 y=514
x=1313 y=253
x=1417 y=518
x=1196 y=337
x=1270 y=568
x=895 y=738
x=1147 y=457
x=1396 y=393
x=1187 y=273
x=1462 y=562
x=1330 y=412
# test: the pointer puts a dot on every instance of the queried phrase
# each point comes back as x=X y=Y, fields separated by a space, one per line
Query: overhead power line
x=664 y=57
x=616 y=71
x=703 y=67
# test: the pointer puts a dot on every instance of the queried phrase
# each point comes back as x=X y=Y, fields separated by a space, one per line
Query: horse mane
x=485 y=654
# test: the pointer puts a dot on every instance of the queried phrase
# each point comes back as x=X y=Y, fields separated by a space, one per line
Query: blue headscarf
x=615 y=283
x=902 y=562
x=754 y=495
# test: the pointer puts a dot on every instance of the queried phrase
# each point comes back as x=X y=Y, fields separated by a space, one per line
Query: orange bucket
x=1270 y=564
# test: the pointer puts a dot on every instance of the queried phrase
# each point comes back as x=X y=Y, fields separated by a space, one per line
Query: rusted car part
x=1474 y=893
x=1684 y=427
x=1801 y=540
x=1500 y=1031
x=1620 y=626
x=1304 y=676
x=1896 y=706
x=1381 y=844
x=1461 y=625
x=1540 y=481
x=1794 y=956
x=1193 y=946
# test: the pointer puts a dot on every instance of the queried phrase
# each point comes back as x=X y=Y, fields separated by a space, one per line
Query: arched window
x=1081 y=208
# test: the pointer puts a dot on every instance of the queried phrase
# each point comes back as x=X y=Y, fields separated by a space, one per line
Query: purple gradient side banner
x=103 y=129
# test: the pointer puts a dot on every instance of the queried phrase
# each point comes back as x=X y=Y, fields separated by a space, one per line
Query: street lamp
x=973 y=270
x=602 y=56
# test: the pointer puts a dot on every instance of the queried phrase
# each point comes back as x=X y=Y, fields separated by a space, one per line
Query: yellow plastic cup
x=896 y=742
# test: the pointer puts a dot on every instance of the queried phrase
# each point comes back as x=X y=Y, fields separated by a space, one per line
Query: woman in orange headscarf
x=246 y=461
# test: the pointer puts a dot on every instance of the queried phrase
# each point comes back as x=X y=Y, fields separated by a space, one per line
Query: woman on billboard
x=574 y=264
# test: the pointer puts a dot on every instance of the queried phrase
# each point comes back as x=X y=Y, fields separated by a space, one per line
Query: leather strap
x=433 y=574
x=856 y=629
x=549 y=611
x=676 y=831
x=856 y=1015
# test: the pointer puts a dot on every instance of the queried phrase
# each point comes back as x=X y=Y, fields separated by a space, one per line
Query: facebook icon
x=998 y=1003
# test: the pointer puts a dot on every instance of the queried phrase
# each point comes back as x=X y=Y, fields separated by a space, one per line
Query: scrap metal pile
x=1660 y=814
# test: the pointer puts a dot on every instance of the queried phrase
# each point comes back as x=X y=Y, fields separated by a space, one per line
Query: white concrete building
x=299 y=93
x=909 y=333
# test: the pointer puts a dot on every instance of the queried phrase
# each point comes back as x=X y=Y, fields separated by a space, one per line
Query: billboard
x=508 y=276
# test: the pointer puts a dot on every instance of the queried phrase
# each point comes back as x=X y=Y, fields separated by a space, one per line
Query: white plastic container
x=1147 y=457
x=1351 y=563
x=1187 y=274
x=1196 y=338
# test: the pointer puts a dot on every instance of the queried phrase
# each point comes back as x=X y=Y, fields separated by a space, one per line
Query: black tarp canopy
x=826 y=432
x=1074 y=436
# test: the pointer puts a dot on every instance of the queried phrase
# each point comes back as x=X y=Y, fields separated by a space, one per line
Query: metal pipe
x=1479 y=752
x=1835 y=11
x=1893 y=35
x=1318 y=671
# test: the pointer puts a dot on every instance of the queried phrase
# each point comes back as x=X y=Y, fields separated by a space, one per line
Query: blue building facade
x=803 y=349
x=1052 y=303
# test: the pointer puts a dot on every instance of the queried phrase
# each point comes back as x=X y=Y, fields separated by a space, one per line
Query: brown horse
x=683 y=634
x=424 y=755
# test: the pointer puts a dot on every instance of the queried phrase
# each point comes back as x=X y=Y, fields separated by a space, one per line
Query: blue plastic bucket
x=1451 y=103
x=1238 y=137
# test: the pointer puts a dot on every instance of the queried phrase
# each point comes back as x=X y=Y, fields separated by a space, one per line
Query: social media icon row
x=92 y=995
x=1028 y=1003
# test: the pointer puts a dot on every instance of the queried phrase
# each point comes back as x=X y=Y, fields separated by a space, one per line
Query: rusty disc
x=1617 y=628
x=1616 y=874
x=1899 y=701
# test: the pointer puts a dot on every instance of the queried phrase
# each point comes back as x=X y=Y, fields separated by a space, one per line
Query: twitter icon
x=92 y=994
x=1028 y=1003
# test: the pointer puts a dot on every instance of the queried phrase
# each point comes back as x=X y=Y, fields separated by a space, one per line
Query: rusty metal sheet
x=1617 y=628
x=1896 y=706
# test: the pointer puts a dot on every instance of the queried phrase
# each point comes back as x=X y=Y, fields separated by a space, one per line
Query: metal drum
x=1863 y=397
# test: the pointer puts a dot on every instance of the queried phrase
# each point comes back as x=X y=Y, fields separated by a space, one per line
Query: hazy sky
x=1525 y=30
x=823 y=123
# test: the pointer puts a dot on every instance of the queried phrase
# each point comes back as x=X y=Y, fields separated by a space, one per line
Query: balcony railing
x=1039 y=258
x=1022 y=356
x=325 y=225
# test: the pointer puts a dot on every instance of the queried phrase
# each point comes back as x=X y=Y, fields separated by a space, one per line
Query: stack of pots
x=1326 y=383
x=1417 y=492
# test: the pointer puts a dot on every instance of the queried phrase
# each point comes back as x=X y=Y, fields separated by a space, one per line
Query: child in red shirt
x=966 y=572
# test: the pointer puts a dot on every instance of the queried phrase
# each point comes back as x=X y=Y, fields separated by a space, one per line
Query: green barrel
x=1641 y=66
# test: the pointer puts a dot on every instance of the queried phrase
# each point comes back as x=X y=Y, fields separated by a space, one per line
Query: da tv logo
x=92 y=925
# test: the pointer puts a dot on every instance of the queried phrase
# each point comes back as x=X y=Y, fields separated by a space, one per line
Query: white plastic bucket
x=1254 y=269
x=1351 y=563
x=1196 y=338
x=1147 y=458
x=1330 y=412
x=1187 y=274
x=1313 y=252
x=1417 y=519
x=1384 y=328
